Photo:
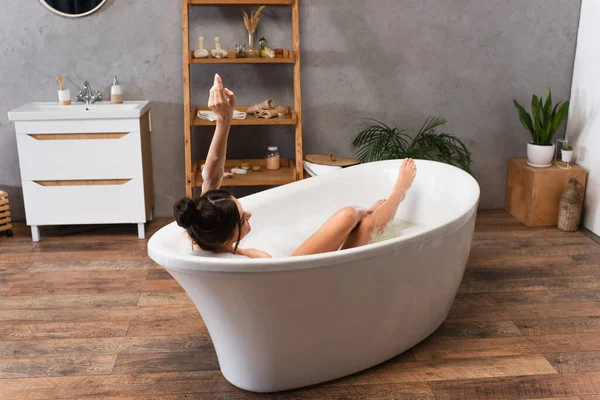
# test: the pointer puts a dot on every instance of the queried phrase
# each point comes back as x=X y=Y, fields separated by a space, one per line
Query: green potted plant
x=378 y=141
x=545 y=119
x=566 y=153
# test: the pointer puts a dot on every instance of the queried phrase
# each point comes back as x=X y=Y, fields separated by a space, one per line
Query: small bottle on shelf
x=272 y=159
x=201 y=52
x=262 y=47
x=218 y=52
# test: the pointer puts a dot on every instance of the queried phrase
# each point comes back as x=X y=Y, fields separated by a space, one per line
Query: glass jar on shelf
x=262 y=46
x=272 y=159
x=240 y=50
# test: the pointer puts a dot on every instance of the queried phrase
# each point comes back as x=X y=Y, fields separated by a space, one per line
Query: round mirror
x=73 y=8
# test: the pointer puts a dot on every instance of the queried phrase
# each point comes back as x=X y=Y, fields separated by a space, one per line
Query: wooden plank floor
x=85 y=314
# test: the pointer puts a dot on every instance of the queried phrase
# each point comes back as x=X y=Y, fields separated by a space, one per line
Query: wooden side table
x=533 y=194
x=330 y=160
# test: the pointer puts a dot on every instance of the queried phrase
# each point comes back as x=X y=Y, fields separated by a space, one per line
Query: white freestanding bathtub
x=288 y=322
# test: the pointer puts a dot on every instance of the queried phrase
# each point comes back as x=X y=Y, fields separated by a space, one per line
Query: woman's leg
x=332 y=234
x=352 y=227
x=377 y=222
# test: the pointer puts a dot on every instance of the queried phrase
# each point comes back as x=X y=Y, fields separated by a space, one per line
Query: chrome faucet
x=86 y=94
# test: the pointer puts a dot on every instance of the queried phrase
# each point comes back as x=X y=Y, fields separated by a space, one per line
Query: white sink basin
x=100 y=110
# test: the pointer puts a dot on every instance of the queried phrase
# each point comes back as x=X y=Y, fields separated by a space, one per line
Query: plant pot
x=540 y=156
x=567 y=155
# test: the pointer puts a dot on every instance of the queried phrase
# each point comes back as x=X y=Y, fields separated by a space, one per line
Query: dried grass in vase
x=251 y=23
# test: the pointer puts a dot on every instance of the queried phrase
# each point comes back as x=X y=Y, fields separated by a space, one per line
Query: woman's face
x=245 y=220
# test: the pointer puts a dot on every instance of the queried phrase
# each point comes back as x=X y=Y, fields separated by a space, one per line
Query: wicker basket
x=5 y=226
x=571 y=207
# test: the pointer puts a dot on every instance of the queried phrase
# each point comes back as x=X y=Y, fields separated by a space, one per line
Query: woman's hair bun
x=185 y=212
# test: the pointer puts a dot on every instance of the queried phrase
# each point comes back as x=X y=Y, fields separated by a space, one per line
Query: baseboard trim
x=591 y=235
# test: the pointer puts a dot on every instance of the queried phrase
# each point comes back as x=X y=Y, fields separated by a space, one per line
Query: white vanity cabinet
x=85 y=165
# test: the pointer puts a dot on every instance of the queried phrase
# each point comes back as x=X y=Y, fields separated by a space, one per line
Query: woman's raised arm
x=222 y=102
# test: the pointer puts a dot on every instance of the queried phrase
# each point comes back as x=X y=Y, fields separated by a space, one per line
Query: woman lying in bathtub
x=217 y=222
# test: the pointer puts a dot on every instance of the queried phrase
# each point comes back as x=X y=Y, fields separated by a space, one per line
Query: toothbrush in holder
x=64 y=95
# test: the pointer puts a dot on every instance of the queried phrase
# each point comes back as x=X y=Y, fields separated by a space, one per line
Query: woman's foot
x=406 y=175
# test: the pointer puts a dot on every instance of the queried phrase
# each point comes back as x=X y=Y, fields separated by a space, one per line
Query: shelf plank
x=288 y=58
x=285 y=174
x=250 y=119
x=241 y=2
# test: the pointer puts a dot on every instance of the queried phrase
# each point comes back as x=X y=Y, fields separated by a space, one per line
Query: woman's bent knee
x=348 y=215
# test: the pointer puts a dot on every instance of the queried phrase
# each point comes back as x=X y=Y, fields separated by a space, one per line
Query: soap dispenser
x=116 y=95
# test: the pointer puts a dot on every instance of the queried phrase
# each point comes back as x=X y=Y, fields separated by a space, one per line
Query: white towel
x=212 y=116
x=318 y=169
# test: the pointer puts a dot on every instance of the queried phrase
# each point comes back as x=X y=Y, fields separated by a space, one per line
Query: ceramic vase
x=540 y=156
x=567 y=155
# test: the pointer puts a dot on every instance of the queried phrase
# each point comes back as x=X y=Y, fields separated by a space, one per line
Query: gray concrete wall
x=395 y=61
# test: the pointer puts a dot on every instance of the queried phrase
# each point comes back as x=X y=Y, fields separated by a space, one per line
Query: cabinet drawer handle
x=86 y=182
x=77 y=136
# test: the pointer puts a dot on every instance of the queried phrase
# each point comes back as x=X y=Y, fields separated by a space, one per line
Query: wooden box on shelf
x=533 y=194
x=5 y=226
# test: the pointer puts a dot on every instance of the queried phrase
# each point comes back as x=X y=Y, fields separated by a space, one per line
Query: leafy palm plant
x=545 y=120
x=378 y=141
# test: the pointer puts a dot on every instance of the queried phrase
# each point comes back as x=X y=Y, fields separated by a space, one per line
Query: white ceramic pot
x=567 y=155
x=540 y=156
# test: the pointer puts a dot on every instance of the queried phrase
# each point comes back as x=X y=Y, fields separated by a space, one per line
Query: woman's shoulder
x=253 y=253
x=241 y=253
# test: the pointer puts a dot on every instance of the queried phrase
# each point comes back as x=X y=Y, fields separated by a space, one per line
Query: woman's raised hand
x=221 y=101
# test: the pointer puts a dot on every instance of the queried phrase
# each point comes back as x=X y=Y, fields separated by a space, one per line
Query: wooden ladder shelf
x=290 y=170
